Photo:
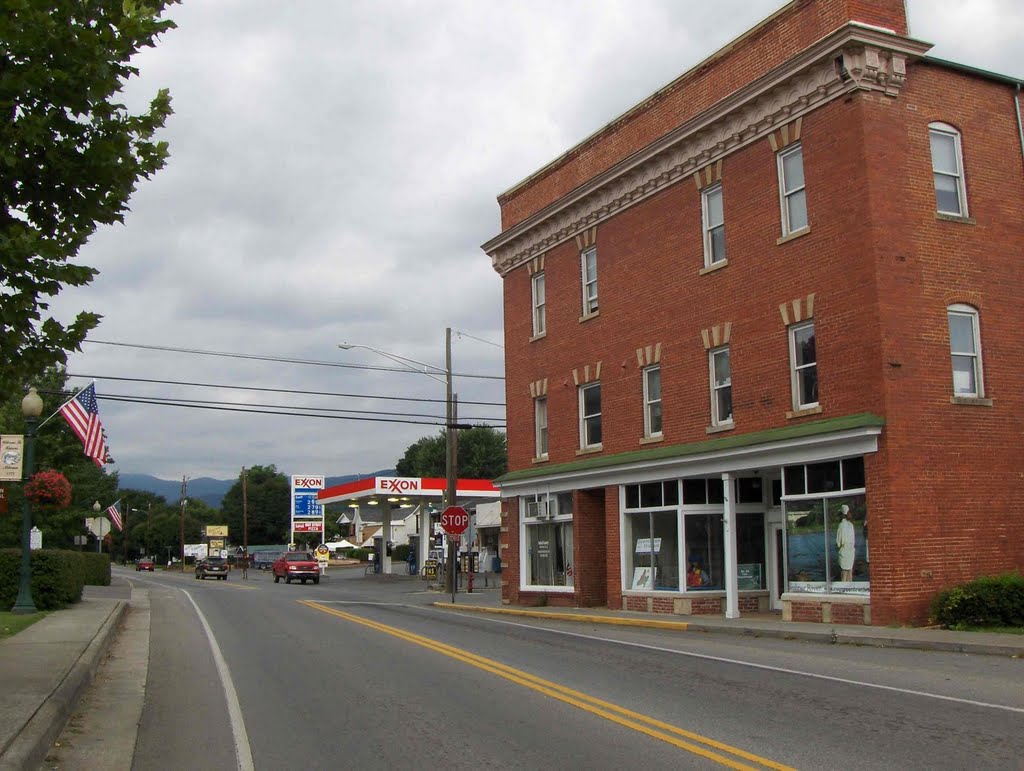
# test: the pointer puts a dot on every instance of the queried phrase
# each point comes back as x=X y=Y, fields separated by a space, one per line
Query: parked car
x=144 y=564
x=296 y=565
x=212 y=566
x=263 y=560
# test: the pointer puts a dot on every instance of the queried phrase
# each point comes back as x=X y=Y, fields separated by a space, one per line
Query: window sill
x=971 y=401
x=589 y=316
x=652 y=439
x=541 y=336
x=794 y=235
x=720 y=428
x=713 y=267
x=803 y=412
x=590 y=450
x=541 y=459
x=955 y=218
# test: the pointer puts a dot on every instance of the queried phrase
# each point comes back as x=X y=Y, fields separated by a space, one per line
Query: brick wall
x=508 y=546
x=789 y=31
x=589 y=539
x=843 y=613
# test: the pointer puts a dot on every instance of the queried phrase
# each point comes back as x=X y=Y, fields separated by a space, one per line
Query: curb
x=680 y=626
x=33 y=742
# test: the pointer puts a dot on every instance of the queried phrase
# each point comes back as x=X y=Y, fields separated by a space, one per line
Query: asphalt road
x=355 y=673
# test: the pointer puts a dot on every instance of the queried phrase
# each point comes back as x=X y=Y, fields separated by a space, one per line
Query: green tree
x=268 y=495
x=483 y=454
x=70 y=158
x=57 y=448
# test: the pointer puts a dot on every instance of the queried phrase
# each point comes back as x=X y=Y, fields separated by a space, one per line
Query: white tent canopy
x=342 y=544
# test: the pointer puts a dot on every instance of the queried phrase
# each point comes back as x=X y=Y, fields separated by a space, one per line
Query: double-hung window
x=588 y=265
x=792 y=194
x=714 y=225
x=590 y=415
x=652 y=401
x=721 y=386
x=965 y=349
x=948 y=170
x=803 y=365
x=540 y=415
x=539 y=319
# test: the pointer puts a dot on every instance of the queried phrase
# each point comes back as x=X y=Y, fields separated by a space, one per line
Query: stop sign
x=454 y=520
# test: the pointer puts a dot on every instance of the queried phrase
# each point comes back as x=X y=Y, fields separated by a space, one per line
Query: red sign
x=307 y=527
x=454 y=520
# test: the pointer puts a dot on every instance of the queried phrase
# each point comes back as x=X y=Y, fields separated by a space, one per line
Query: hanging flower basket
x=49 y=489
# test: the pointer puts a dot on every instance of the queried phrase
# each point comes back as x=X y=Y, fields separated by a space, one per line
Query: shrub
x=358 y=554
x=58 y=577
x=989 y=601
x=401 y=552
x=96 y=569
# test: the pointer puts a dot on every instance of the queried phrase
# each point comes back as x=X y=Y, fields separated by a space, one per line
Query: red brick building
x=764 y=337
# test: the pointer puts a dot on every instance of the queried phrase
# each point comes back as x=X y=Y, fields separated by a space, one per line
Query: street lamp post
x=31 y=408
x=99 y=526
x=451 y=458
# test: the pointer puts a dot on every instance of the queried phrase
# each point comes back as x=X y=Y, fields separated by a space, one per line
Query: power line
x=140 y=400
x=282 y=359
x=278 y=390
x=177 y=401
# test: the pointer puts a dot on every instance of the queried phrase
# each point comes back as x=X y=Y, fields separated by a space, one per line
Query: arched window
x=948 y=170
x=965 y=350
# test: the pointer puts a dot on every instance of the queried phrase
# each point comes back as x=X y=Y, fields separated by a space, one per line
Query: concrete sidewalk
x=45 y=670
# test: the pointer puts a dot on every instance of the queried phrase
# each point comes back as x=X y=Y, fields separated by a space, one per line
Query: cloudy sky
x=334 y=168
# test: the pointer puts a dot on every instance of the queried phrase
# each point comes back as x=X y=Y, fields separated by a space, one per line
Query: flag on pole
x=115 y=514
x=83 y=415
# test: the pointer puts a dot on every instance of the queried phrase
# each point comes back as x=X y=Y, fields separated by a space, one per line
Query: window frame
x=539 y=304
x=587 y=281
x=970 y=312
x=716 y=417
x=649 y=403
x=795 y=370
x=540 y=427
x=710 y=227
x=587 y=420
x=786 y=194
x=947 y=131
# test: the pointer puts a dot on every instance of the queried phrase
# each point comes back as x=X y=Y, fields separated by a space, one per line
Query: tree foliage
x=268 y=495
x=70 y=158
x=482 y=454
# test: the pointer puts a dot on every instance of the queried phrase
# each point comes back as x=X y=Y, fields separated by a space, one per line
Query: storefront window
x=549 y=554
x=827 y=544
x=705 y=560
x=653 y=561
x=750 y=568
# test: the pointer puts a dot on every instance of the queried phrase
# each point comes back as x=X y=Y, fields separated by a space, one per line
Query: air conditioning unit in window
x=538 y=509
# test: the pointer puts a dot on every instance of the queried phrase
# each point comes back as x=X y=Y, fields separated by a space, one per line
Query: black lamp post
x=31 y=408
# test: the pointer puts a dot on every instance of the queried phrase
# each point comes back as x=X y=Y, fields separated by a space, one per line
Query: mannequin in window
x=846 y=543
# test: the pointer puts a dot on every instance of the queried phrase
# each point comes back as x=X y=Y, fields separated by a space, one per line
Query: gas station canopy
x=374 y=490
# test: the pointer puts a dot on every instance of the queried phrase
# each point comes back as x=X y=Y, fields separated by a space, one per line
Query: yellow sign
x=323 y=552
x=216 y=544
x=12 y=448
x=217 y=530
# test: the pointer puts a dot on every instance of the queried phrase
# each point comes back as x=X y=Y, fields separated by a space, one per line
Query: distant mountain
x=210 y=491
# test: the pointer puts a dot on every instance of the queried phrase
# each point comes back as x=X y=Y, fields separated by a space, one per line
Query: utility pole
x=451 y=461
x=245 y=527
x=184 y=500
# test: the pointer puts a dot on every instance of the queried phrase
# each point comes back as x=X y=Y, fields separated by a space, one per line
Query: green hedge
x=58 y=576
x=359 y=554
x=400 y=553
x=989 y=601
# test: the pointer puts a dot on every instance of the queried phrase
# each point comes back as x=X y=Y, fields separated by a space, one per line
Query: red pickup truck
x=296 y=565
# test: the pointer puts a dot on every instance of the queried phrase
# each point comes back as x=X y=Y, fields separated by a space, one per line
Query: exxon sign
x=307 y=483
x=398 y=485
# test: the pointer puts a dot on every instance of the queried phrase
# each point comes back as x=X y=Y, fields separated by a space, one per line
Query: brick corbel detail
x=539 y=388
x=787 y=135
x=586 y=239
x=535 y=266
x=709 y=175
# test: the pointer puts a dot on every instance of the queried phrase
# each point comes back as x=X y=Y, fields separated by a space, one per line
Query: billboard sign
x=307 y=514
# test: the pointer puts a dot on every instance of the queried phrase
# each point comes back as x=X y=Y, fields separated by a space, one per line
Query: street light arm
x=427 y=369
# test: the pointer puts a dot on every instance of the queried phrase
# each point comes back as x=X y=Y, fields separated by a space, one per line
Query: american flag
x=115 y=514
x=83 y=415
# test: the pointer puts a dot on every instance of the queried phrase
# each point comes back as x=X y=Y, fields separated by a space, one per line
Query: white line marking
x=243 y=753
x=752 y=665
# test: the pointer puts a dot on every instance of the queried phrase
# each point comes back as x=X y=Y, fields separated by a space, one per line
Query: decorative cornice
x=852 y=58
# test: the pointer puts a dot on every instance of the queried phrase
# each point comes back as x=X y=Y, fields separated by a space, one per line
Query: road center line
x=752 y=665
x=627 y=718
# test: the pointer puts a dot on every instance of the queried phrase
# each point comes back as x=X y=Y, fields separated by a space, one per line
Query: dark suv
x=212 y=566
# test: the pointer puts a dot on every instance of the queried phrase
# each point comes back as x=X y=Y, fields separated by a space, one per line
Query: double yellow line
x=657 y=729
